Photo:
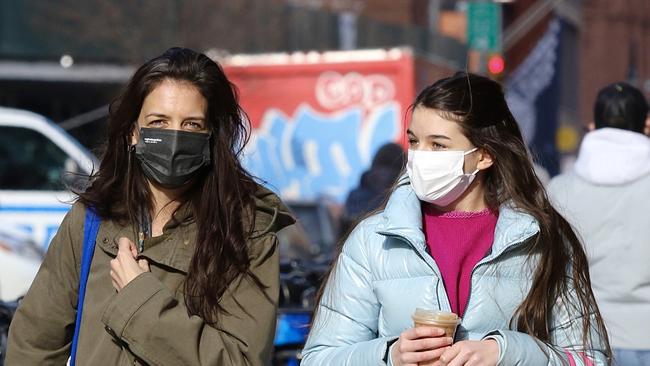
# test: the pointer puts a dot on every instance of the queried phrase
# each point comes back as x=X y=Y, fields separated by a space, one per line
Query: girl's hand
x=471 y=353
x=420 y=344
x=124 y=267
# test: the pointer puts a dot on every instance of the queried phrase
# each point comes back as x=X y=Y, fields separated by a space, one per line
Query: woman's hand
x=471 y=353
x=420 y=344
x=124 y=267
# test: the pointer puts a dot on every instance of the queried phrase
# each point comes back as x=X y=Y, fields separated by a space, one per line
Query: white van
x=35 y=155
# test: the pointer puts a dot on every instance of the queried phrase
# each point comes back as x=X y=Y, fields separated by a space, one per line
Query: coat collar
x=175 y=247
x=271 y=214
x=403 y=217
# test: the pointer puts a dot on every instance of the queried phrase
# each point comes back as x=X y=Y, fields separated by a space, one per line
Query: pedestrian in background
x=469 y=230
x=605 y=198
x=374 y=184
x=185 y=270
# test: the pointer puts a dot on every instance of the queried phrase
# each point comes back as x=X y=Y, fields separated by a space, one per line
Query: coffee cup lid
x=435 y=316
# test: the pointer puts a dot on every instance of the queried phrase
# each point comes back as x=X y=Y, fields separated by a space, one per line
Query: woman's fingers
x=422 y=332
x=115 y=279
x=144 y=264
x=124 y=267
x=471 y=353
x=424 y=356
x=115 y=265
x=424 y=344
x=126 y=245
x=450 y=354
x=133 y=248
x=460 y=360
x=420 y=344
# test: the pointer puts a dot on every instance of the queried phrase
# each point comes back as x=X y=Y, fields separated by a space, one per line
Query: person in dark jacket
x=375 y=183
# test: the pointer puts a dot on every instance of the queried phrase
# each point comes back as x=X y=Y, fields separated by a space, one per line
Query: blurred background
x=325 y=84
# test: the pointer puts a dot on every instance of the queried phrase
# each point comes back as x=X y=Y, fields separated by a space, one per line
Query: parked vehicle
x=38 y=159
x=336 y=109
x=7 y=310
x=20 y=259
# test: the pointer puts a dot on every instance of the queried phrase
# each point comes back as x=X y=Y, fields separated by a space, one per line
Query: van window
x=29 y=160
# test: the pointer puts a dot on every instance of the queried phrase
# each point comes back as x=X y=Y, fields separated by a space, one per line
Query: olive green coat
x=146 y=323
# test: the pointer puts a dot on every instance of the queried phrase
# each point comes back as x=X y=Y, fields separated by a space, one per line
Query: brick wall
x=609 y=28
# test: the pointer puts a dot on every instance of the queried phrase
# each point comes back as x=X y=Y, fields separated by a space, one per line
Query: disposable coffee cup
x=436 y=318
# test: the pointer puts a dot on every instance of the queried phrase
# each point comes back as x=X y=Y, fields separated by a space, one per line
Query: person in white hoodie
x=605 y=198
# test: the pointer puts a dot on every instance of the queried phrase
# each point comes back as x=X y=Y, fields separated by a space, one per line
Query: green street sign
x=484 y=26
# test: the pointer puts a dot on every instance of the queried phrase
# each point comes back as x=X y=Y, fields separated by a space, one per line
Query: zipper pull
x=140 y=242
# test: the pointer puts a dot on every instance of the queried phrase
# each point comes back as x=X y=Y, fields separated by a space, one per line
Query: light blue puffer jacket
x=384 y=272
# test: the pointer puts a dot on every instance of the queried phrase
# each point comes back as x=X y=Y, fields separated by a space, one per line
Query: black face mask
x=172 y=157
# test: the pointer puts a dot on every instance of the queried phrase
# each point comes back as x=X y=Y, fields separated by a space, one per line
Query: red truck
x=318 y=118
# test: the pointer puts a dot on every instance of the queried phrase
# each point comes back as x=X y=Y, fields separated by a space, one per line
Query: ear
x=646 y=130
x=591 y=126
x=485 y=159
x=135 y=135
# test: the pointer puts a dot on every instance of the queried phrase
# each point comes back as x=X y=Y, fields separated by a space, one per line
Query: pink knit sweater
x=457 y=241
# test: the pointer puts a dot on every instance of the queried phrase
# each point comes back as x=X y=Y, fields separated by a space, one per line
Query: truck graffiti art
x=317 y=121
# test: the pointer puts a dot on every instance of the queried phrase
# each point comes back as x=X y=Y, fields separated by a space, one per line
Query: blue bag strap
x=91 y=227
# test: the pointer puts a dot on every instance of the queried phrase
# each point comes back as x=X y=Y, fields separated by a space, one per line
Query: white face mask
x=437 y=176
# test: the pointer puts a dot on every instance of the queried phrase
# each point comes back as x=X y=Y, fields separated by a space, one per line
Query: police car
x=36 y=159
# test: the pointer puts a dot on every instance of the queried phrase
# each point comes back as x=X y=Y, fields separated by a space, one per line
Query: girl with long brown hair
x=467 y=230
x=185 y=270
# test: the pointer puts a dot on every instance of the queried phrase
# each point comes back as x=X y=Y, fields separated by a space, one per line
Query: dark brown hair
x=620 y=105
x=220 y=198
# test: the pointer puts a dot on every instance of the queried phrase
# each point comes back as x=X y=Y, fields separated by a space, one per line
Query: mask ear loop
x=131 y=147
x=469 y=152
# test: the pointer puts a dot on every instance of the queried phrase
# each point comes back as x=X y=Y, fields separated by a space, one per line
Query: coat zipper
x=483 y=262
x=436 y=270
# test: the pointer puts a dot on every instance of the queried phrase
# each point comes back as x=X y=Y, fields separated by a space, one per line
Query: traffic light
x=496 y=65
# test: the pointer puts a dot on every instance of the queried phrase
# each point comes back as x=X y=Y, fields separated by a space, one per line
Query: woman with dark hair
x=468 y=230
x=187 y=237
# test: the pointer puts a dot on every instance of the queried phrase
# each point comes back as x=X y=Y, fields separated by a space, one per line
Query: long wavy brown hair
x=478 y=105
x=221 y=198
